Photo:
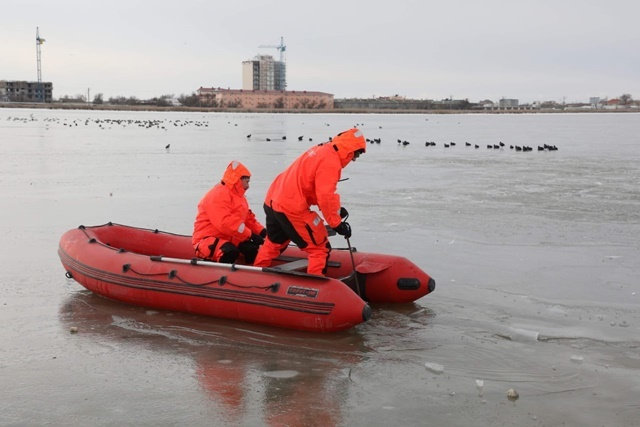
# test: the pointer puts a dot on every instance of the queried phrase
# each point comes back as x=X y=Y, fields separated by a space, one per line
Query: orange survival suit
x=225 y=226
x=310 y=180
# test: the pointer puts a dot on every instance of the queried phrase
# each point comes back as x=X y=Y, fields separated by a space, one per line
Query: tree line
x=160 y=101
x=193 y=100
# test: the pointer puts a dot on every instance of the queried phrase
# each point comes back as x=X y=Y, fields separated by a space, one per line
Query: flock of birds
x=166 y=124
x=283 y=138
x=110 y=123
x=500 y=145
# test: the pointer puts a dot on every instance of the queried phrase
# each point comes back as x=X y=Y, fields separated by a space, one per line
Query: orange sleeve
x=220 y=212
x=327 y=177
x=253 y=224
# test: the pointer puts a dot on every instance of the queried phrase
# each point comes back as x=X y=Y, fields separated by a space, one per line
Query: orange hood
x=234 y=172
x=347 y=143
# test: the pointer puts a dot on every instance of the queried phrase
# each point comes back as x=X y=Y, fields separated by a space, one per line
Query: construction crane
x=281 y=47
x=39 y=41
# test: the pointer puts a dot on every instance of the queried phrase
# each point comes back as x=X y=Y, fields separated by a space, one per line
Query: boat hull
x=155 y=269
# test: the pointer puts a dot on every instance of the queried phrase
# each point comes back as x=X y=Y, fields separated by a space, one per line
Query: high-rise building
x=264 y=73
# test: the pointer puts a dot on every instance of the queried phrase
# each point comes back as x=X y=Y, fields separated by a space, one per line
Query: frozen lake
x=536 y=256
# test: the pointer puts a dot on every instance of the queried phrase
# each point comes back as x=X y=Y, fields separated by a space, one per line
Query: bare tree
x=625 y=99
x=189 y=100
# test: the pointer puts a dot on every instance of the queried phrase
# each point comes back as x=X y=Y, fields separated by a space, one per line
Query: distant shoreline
x=110 y=107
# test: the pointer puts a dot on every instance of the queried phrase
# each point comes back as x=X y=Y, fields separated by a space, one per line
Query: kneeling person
x=225 y=227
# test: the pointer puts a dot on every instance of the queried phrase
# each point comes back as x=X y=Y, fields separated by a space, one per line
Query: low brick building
x=255 y=99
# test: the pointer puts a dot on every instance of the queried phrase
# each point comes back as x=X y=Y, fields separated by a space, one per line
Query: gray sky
x=490 y=49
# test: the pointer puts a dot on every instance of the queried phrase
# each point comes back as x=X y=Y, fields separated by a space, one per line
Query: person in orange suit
x=225 y=227
x=310 y=180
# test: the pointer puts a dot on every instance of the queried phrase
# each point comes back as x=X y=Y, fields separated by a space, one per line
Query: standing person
x=225 y=227
x=310 y=180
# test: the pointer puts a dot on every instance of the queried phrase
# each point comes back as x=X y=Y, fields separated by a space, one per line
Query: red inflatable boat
x=156 y=269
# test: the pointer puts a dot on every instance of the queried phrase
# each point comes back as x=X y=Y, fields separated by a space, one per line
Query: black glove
x=256 y=239
x=263 y=233
x=249 y=249
x=343 y=229
x=343 y=213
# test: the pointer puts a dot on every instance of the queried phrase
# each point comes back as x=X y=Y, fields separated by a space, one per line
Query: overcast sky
x=489 y=49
